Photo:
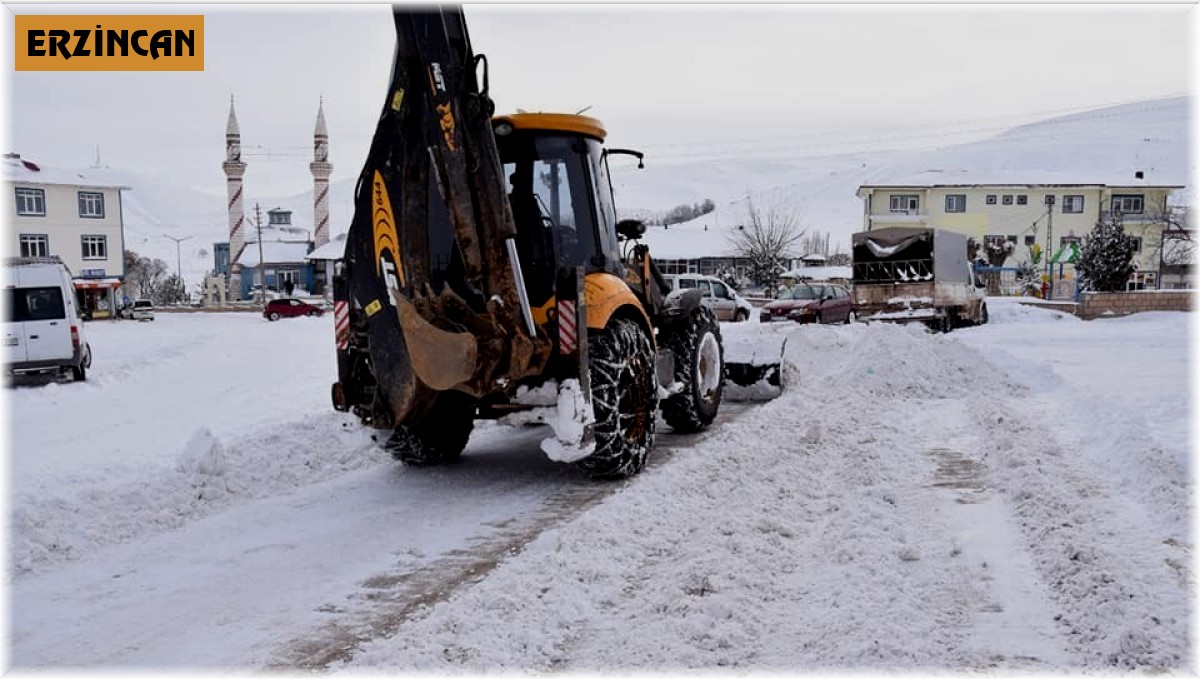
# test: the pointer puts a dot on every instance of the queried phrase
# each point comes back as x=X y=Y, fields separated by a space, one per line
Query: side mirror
x=631 y=229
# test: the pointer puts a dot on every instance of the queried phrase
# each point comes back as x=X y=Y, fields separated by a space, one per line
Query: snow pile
x=872 y=360
x=203 y=454
x=134 y=471
x=804 y=536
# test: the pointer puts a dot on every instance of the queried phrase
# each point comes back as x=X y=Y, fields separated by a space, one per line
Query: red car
x=811 y=303
x=288 y=307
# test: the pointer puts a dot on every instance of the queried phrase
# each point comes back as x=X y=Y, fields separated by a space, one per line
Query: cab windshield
x=550 y=190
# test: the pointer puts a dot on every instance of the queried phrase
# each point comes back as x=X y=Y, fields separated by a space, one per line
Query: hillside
x=1105 y=145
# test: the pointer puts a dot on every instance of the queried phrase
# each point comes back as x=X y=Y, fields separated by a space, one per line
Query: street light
x=178 y=263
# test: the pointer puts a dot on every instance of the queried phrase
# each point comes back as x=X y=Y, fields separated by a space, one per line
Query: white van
x=43 y=331
x=725 y=302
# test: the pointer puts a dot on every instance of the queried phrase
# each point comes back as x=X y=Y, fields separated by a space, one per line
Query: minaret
x=234 y=169
x=321 y=169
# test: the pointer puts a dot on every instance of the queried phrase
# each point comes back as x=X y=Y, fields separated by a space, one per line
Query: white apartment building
x=74 y=214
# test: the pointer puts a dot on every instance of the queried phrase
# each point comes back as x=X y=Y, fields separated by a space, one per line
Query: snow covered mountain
x=1105 y=145
x=1102 y=146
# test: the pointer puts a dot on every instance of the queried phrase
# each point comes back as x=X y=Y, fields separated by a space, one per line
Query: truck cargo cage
x=891 y=272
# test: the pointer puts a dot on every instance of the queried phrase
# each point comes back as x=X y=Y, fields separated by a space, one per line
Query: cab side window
x=720 y=290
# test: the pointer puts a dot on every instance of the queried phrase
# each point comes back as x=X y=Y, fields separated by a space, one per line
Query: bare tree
x=815 y=244
x=839 y=258
x=766 y=241
x=144 y=276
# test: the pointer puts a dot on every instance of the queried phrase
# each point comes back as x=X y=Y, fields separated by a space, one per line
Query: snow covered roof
x=334 y=249
x=19 y=170
x=273 y=252
x=819 y=273
x=1016 y=178
x=689 y=240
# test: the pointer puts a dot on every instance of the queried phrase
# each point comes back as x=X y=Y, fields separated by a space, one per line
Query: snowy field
x=1009 y=497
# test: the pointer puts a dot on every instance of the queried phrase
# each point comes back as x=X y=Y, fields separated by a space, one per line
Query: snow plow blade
x=754 y=371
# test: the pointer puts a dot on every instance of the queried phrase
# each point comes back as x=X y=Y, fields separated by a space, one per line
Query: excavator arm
x=430 y=283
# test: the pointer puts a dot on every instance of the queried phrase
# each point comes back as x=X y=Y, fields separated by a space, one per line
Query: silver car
x=725 y=302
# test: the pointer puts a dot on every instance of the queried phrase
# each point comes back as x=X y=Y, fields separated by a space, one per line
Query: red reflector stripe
x=566 y=327
x=341 y=324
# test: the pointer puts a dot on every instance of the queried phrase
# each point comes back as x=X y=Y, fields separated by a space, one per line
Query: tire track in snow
x=1121 y=604
x=389 y=599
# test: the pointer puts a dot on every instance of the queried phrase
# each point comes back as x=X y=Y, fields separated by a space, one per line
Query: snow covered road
x=993 y=498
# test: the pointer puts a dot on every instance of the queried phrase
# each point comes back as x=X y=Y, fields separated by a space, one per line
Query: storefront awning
x=96 y=283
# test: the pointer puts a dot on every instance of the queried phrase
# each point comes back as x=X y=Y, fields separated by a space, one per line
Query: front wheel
x=273 y=316
x=983 y=314
x=624 y=396
x=700 y=368
x=740 y=316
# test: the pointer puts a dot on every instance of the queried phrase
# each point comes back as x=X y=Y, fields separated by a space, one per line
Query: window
x=1030 y=240
x=991 y=199
x=956 y=202
x=1022 y=200
x=1072 y=204
x=95 y=247
x=1127 y=204
x=1007 y=200
x=35 y=245
x=35 y=304
x=31 y=202
x=91 y=205
x=1067 y=239
x=905 y=202
x=1137 y=243
x=720 y=291
x=996 y=241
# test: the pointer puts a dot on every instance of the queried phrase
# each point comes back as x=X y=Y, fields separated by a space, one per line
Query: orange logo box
x=119 y=42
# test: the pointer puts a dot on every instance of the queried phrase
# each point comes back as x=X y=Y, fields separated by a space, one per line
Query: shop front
x=97 y=297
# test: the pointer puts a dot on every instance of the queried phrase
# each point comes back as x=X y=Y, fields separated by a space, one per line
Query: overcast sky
x=671 y=80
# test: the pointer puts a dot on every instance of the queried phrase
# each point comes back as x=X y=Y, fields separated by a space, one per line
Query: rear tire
x=624 y=397
x=983 y=315
x=79 y=372
x=850 y=318
x=440 y=436
x=274 y=316
x=740 y=316
x=700 y=368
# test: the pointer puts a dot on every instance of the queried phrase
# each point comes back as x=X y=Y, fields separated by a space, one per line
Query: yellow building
x=1046 y=215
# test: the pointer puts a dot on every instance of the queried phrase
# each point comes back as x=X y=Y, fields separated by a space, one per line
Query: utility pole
x=262 y=274
x=179 y=264
x=1049 y=244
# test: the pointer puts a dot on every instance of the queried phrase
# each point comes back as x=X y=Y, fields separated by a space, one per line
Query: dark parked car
x=289 y=307
x=810 y=303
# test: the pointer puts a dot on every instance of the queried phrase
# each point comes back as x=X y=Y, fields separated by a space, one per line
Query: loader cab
x=560 y=193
